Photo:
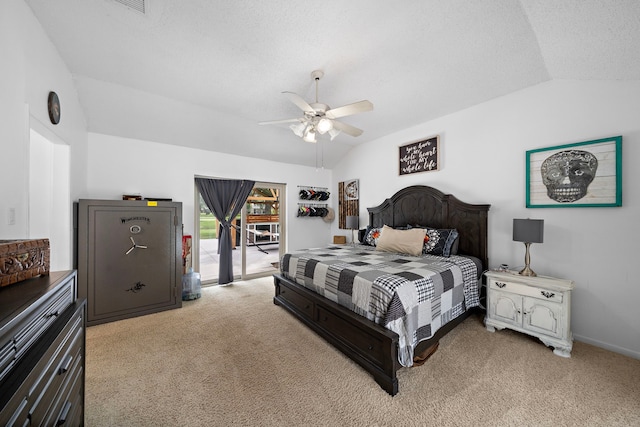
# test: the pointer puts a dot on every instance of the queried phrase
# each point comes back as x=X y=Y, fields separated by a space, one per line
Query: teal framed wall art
x=578 y=175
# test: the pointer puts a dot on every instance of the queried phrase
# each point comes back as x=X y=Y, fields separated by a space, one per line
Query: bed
x=359 y=333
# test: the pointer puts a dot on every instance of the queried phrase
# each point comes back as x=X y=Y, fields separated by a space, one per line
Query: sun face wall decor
x=348 y=201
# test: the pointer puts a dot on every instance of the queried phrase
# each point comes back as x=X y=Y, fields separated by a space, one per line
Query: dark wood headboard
x=422 y=205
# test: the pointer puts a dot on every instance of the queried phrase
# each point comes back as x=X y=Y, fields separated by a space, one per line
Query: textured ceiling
x=203 y=73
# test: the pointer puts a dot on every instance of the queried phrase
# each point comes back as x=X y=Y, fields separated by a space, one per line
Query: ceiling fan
x=320 y=118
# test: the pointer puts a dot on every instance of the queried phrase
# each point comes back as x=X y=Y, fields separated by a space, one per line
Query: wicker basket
x=23 y=259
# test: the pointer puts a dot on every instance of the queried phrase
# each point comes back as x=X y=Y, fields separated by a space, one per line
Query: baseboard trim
x=607 y=346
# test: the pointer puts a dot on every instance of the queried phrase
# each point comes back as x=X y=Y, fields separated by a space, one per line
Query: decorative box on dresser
x=42 y=352
x=539 y=306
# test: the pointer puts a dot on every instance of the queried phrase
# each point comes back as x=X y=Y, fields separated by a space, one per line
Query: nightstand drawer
x=526 y=290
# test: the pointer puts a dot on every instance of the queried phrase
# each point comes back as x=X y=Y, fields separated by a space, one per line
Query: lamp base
x=527 y=271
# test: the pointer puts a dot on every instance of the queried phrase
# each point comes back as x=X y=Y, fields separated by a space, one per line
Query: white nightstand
x=539 y=306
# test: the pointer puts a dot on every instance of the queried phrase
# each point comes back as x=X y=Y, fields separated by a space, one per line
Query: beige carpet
x=234 y=358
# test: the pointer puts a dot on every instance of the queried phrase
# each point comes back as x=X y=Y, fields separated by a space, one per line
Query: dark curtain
x=225 y=198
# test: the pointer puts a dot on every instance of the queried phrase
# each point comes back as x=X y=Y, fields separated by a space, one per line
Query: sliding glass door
x=263 y=230
x=257 y=235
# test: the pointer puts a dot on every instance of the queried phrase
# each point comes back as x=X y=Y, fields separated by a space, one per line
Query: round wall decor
x=53 y=105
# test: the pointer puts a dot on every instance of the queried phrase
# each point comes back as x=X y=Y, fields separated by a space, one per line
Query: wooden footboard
x=363 y=341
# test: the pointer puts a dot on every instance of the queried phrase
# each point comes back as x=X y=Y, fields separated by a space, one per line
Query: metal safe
x=129 y=257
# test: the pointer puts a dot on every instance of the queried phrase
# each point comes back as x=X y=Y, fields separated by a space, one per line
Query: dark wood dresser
x=42 y=352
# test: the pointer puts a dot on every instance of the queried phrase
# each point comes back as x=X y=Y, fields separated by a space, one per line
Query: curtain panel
x=225 y=198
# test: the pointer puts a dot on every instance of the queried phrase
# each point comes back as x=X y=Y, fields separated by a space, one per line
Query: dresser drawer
x=7 y=358
x=18 y=412
x=526 y=290
x=66 y=402
x=47 y=371
x=56 y=367
x=72 y=411
x=41 y=320
x=19 y=335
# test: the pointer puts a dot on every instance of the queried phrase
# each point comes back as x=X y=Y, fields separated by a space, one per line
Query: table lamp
x=528 y=231
x=352 y=224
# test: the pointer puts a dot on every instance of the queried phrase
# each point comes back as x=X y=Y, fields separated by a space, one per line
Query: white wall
x=49 y=211
x=118 y=166
x=483 y=161
x=30 y=68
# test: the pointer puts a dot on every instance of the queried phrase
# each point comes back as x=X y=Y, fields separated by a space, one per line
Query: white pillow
x=403 y=241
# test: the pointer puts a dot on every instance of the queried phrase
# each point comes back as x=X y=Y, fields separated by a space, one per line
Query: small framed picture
x=583 y=174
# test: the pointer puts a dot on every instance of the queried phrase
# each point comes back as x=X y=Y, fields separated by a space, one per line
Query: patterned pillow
x=372 y=235
x=439 y=241
x=442 y=242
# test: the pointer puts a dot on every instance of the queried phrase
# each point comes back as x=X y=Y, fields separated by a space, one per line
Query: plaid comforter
x=412 y=296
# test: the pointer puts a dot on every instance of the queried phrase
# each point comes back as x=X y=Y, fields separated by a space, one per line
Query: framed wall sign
x=351 y=190
x=348 y=203
x=584 y=174
x=420 y=156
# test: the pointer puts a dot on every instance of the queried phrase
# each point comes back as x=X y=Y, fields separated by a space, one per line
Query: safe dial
x=134 y=245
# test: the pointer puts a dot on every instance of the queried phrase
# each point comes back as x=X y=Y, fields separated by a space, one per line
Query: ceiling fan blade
x=349 y=109
x=300 y=102
x=348 y=129
x=275 y=122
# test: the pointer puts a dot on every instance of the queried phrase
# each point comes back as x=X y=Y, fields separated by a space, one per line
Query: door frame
x=282 y=189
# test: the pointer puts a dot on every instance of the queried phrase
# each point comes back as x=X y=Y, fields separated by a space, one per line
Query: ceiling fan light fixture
x=324 y=125
x=309 y=135
x=319 y=118
x=298 y=129
x=333 y=133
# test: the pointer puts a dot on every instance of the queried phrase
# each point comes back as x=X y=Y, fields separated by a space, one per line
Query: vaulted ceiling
x=203 y=73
